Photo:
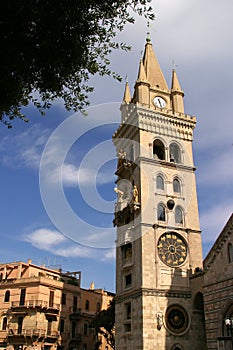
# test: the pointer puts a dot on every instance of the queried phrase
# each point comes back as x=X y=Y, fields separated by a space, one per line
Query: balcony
x=19 y=308
x=75 y=338
x=14 y=333
x=75 y=314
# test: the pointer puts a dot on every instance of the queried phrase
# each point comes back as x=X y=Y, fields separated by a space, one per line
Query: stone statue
x=121 y=157
x=135 y=194
x=119 y=194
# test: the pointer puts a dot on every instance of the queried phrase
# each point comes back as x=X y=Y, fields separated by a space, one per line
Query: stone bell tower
x=156 y=215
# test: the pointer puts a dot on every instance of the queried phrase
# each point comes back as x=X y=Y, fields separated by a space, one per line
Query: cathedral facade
x=159 y=303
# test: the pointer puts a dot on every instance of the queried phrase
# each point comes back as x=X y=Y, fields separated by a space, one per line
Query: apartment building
x=46 y=309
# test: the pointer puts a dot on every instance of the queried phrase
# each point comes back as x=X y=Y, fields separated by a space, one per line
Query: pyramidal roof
x=141 y=72
x=175 y=82
x=152 y=68
x=127 y=96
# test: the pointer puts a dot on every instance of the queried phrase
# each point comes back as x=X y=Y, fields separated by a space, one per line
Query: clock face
x=172 y=249
x=159 y=102
x=177 y=320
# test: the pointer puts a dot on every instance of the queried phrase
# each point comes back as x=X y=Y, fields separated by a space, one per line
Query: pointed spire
x=141 y=72
x=127 y=96
x=177 y=94
x=175 y=81
x=152 y=68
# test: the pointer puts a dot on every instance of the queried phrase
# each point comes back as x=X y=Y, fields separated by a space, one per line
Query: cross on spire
x=148 y=32
x=174 y=65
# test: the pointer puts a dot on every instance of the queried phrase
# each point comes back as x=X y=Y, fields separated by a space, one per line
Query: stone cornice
x=152 y=292
x=165 y=163
x=163 y=121
x=175 y=228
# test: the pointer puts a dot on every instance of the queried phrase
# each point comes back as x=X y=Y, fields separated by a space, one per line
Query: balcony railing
x=32 y=333
x=75 y=314
x=75 y=310
x=77 y=337
x=35 y=304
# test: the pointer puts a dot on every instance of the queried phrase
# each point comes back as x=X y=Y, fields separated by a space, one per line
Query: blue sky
x=198 y=37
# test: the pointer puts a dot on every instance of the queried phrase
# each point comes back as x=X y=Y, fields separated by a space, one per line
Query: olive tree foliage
x=50 y=48
x=104 y=324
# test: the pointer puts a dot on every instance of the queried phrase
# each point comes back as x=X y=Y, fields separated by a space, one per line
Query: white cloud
x=99 y=236
x=54 y=242
x=44 y=238
x=110 y=254
x=75 y=251
x=89 y=171
x=72 y=176
x=24 y=149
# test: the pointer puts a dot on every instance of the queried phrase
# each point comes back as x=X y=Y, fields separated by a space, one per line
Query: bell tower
x=156 y=215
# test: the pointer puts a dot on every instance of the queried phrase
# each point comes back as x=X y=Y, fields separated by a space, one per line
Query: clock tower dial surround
x=158 y=243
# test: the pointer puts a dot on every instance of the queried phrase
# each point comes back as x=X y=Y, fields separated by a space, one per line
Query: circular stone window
x=177 y=320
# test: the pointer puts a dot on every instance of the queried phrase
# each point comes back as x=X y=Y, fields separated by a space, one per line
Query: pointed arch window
x=176 y=186
x=158 y=150
x=161 y=212
x=85 y=328
x=175 y=153
x=179 y=216
x=4 y=323
x=98 y=307
x=230 y=252
x=7 y=296
x=159 y=183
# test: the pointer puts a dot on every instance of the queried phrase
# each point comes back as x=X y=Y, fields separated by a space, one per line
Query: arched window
x=159 y=183
x=7 y=296
x=175 y=155
x=179 y=217
x=230 y=252
x=158 y=150
x=87 y=305
x=98 y=307
x=198 y=302
x=85 y=328
x=176 y=186
x=4 y=323
x=176 y=347
x=161 y=212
